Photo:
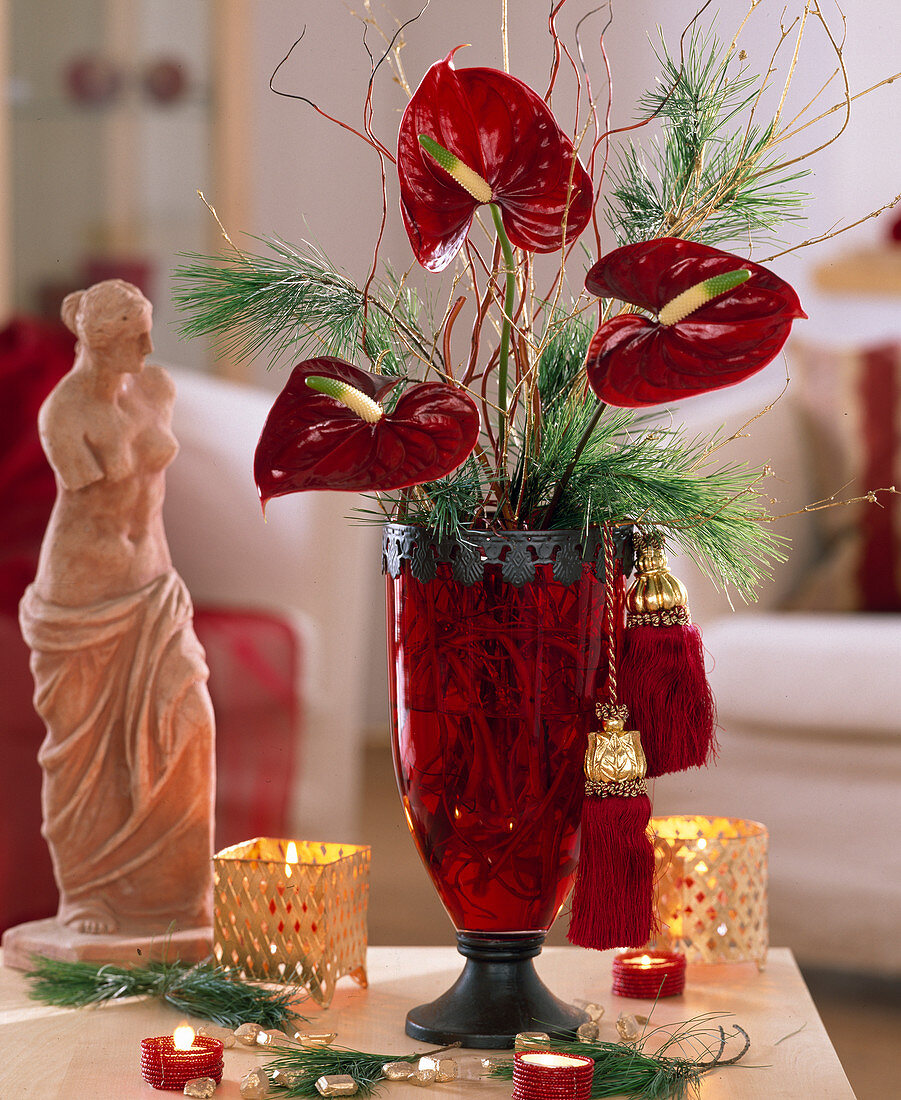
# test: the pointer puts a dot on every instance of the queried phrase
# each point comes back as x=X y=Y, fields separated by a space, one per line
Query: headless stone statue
x=120 y=678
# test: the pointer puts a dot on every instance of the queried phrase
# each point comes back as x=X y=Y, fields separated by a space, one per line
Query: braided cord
x=609 y=624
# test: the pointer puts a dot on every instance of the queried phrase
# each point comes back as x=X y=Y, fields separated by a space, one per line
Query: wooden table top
x=95 y=1052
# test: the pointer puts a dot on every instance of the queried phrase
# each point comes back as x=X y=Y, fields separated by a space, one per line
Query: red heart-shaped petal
x=312 y=441
x=634 y=361
x=506 y=133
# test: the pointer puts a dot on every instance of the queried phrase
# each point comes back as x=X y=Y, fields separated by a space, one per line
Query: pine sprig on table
x=629 y=1070
x=305 y=1065
x=205 y=991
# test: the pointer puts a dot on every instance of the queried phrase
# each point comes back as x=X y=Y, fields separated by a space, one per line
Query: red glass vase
x=497 y=658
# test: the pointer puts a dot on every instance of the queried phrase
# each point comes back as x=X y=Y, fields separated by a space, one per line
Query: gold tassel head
x=614 y=754
x=655 y=596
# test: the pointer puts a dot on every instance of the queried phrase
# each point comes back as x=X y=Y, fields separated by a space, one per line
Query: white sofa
x=810 y=738
x=304 y=562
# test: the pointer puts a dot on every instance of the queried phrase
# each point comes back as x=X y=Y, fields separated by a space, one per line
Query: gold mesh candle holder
x=292 y=912
x=711 y=885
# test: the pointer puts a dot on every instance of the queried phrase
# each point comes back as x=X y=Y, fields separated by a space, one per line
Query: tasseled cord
x=613 y=899
x=663 y=681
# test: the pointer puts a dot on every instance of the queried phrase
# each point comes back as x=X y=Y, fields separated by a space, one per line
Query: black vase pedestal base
x=498 y=995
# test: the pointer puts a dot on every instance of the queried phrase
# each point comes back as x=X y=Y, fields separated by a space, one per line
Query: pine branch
x=713 y=175
x=209 y=992
x=304 y=1066
x=628 y=1070
x=293 y=303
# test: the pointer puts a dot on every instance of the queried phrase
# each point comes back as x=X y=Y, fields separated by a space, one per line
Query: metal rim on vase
x=516 y=552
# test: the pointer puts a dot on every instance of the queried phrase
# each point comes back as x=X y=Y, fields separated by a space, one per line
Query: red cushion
x=851 y=402
x=254 y=661
x=33 y=358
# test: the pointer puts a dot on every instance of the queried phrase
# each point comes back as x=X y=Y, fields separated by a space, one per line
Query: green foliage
x=306 y=1065
x=292 y=303
x=713 y=174
x=204 y=991
x=629 y=1070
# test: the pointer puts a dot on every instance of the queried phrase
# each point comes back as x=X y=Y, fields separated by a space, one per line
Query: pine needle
x=205 y=991
x=712 y=175
x=628 y=1070
x=291 y=303
x=304 y=1066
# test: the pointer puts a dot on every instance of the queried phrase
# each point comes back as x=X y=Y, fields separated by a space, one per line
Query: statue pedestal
x=58 y=941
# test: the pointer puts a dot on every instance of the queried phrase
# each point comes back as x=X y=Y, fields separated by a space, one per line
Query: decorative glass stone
x=472 y=1067
x=225 y=1036
x=200 y=1087
x=423 y=1077
x=587 y=1032
x=271 y=1037
x=247 y=1034
x=254 y=1085
x=445 y=1068
x=592 y=1010
x=315 y=1038
x=398 y=1071
x=338 y=1084
x=286 y=1078
x=525 y=1040
x=628 y=1028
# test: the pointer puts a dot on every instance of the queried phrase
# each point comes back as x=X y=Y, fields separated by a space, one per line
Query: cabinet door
x=114 y=121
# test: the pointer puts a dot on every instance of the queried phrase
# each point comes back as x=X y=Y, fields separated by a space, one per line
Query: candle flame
x=183 y=1037
x=290 y=857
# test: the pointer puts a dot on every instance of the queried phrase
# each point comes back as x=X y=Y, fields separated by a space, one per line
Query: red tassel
x=613 y=900
x=664 y=685
x=662 y=678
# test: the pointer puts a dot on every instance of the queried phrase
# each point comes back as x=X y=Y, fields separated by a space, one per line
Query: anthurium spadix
x=328 y=429
x=473 y=136
x=715 y=320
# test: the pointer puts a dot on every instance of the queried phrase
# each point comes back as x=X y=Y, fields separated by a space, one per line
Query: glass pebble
x=445 y=1068
x=338 y=1084
x=254 y=1085
x=526 y=1039
x=423 y=1077
x=472 y=1067
x=628 y=1028
x=398 y=1071
x=287 y=1078
x=271 y=1037
x=247 y=1034
x=315 y=1039
x=200 y=1087
x=587 y=1032
x=225 y=1036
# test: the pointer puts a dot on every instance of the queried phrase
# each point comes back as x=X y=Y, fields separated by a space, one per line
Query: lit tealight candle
x=169 y=1061
x=648 y=974
x=545 y=1074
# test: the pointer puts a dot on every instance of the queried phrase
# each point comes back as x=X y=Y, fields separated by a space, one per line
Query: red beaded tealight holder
x=164 y=1066
x=648 y=974
x=550 y=1075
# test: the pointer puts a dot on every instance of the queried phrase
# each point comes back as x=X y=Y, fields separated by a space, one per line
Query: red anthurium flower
x=505 y=147
x=717 y=320
x=328 y=430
